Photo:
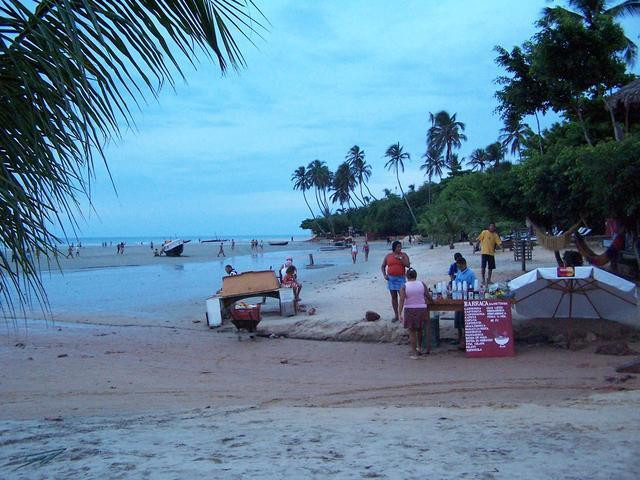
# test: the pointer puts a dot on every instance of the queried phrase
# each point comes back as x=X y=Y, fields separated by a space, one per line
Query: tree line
x=572 y=65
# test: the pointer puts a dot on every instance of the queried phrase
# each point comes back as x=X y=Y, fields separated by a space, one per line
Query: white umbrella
x=589 y=293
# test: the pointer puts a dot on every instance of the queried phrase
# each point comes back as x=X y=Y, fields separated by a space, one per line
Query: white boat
x=174 y=248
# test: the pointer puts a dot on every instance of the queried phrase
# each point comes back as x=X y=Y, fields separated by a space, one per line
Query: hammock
x=554 y=242
x=600 y=259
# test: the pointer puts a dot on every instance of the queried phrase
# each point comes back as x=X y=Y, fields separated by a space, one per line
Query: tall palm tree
x=360 y=168
x=445 y=133
x=321 y=178
x=479 y=159
x=301 y=181
x=588 y=10
x=512 y=136
x=70 y=71
x=396 y=162
x=342 y=185
x=434 y=165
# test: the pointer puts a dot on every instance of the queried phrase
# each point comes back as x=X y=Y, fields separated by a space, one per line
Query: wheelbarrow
x=245 y=317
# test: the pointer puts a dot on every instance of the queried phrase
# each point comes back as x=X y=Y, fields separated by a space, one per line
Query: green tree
x=577 y=62
x=478 y=159
x=301 y=181
x=342 y=185
x=495 y=154
x=70 y=69
x=321 y=178
x=396 y=160
x=589 y=10
x=361 y=169
x=433 y=165
x=512 y=136
x=445 y=133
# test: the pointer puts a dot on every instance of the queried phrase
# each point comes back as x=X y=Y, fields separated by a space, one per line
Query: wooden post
x=523 y=247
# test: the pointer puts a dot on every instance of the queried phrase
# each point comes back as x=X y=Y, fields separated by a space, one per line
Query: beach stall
x=575 y=292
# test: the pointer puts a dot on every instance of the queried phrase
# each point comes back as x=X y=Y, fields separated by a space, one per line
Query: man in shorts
x=488 y=239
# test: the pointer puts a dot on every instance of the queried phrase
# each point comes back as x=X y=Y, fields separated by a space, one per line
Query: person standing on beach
x=488 y=239
x=233 y=244
x=414 y=313
x=365 y=249
x=221 y=251
x=354 y=251
x=393 y=269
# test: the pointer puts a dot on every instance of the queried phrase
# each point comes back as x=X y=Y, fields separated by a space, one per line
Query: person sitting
x=453 y=268
x=290 y=280
x=230 y=270
x=283 y=268
x=464 y=274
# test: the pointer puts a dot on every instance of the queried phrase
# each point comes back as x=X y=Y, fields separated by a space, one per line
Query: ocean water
x=144 y=240
x=162 y=291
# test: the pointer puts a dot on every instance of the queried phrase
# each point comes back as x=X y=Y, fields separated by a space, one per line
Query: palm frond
x=70 y=70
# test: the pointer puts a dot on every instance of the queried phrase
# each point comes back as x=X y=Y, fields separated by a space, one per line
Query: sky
x=216 y=153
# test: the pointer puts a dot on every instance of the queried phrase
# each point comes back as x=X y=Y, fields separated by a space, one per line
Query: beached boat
x=278 y=244
x=174 y=248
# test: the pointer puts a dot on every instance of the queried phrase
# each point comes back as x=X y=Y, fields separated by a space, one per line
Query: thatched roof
x=627 y=95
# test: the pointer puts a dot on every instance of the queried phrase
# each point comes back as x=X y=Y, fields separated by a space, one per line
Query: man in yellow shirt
x=488 y=239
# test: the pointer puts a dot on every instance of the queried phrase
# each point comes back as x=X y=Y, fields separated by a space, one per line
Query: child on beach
x=290 y=280
x=221 y=251
x=365 y=249
x=354 y=251
x=414 y=297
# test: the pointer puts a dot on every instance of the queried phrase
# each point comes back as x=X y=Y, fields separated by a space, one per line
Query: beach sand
x=134 y=398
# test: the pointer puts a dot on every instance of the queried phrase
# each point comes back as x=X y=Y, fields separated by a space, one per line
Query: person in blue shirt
x=464 y=274
x=453 y=269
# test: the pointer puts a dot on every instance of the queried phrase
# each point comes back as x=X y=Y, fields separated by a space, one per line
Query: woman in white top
x=354 y=251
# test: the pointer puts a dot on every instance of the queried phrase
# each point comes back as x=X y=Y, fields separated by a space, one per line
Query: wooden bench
x=262 y=283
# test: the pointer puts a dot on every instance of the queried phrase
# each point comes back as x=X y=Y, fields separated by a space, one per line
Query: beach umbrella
x=575 y=292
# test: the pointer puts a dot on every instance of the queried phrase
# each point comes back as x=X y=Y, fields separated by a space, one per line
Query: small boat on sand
x=173 y=248
x=278 y=244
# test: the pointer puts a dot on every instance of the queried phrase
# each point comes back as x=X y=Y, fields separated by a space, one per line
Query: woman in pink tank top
x=414 y=312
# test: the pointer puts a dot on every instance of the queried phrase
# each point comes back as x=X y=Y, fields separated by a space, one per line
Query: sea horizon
x=146 y=239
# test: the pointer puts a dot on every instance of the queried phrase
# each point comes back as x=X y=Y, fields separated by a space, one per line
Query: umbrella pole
x=570 y=313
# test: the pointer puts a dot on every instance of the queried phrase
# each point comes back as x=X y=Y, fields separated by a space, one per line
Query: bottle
x=464 y=290
x=482 y=292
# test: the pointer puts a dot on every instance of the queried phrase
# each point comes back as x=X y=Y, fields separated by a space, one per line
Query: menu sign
x=488 y=329
x=564 y=272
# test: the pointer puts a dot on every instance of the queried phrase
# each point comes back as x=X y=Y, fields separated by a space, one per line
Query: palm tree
x=321 y=178
x=445 y=133
x=302 y=182
x=342 y=185
x=433 y=165
x=512 y=135
x=478 y=159
x=361 y=169
x=396 y=162
x=455 y=164
x=70 y=71
x=495 y=153
x=588 y=10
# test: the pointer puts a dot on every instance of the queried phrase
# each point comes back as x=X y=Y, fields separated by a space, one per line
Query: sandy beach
x=154 y=393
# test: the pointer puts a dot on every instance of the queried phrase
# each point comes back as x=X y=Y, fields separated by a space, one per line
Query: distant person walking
x=77 y=250
x=365 y=249
x=393 y=271
x=233 y=244
x=70 y=251
x=354 y=251
x=221 y=251
x=488 y=239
